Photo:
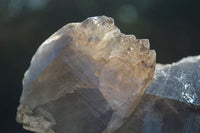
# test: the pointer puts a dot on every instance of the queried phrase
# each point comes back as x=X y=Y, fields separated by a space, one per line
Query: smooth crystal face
x=87 y=77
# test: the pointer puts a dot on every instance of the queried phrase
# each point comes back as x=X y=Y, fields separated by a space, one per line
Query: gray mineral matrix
x=179 y=81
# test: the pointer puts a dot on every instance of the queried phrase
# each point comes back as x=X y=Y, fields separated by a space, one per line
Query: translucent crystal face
x=87 y=77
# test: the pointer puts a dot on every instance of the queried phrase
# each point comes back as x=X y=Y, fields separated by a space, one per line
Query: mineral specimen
x=86 y=78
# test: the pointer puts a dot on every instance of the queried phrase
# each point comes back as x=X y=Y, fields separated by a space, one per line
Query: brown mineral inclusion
x=86 y=78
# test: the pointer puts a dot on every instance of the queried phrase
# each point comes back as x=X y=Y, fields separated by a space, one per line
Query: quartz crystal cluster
x=87 y=77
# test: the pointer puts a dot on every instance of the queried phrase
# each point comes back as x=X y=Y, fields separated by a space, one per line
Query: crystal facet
x=86 y=78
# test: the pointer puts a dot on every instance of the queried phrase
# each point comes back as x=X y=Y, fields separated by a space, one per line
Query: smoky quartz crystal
x=87 y=77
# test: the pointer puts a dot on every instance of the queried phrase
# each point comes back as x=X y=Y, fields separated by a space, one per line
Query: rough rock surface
x=179 y=81
x=86 y=78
